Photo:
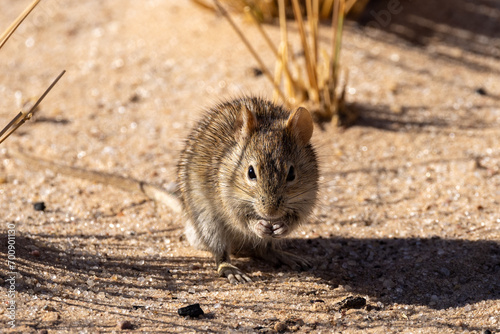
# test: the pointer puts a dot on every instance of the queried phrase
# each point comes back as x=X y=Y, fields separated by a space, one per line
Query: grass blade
x=22 y=117
x=250 y=48
x=266 y=37
x=10 y=30
x=307 y=53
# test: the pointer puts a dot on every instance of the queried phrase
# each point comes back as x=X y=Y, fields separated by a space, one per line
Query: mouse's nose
x=269 y=208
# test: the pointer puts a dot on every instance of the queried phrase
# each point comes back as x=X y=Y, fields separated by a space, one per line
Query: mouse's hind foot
x=278 y=257
x=232 y=273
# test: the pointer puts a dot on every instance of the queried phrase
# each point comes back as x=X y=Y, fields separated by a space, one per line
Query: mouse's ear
x=300 y=124
x=245 y=121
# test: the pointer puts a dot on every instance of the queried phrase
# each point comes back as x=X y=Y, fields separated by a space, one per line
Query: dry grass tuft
x=268 y=10
x=312 y=80
x=22 y=116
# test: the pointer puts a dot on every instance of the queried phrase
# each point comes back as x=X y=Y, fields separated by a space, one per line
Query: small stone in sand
x=193 y=310
x=39 y=206
x=351 y=302
x=125 y=324
x=280 y=326
x=481 y=91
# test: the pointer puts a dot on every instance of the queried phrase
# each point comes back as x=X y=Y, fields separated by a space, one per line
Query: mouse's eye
x=291 y=174
x=251 y=173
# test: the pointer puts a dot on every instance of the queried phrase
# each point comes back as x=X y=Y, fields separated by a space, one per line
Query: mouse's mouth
x=271 y=218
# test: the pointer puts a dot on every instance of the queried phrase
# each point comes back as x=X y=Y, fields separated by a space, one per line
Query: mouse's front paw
x=233 y=273
x=265 y=228
x=280 y=229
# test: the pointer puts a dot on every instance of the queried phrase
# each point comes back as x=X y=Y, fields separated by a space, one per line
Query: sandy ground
x=409 y=216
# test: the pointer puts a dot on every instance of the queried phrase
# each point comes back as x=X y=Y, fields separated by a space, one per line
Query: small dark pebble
x=351 y=303
x=316 y=301
x=125 y=324
x=134 y=98
x=136 y=307
x=292 y=325
x=49 y=308
x=39 y=206
x=481 y=91
x=35 y=253
x=280 y=326
x=486 y=331
x=257 y=72
x=191 y=310
x=43 y=331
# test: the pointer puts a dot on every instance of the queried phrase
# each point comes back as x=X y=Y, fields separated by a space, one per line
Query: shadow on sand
x=439 y=273
x=469 y=25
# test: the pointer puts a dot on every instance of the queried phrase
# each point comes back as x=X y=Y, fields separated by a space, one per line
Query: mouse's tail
x=155 y=193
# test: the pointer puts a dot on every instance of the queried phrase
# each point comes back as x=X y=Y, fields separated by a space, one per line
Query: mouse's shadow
x=439 y=273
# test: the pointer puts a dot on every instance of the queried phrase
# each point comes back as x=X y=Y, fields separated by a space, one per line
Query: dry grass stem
x=326 y=8
x=349 y=5
x=313 y=19
x=17 y=22
x=266 y=37
x=337 y=25
x=203 y=4
x=22 y=116
x=285 y=63
x=249 y=47
x=310 y=68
